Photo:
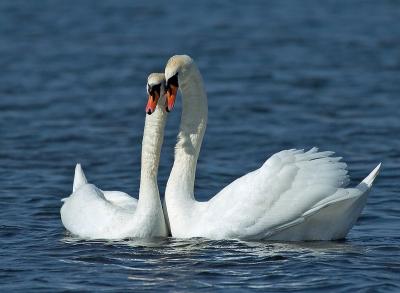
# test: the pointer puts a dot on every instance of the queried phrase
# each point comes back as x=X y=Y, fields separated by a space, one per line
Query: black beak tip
x=166 y=109
x=149 y=112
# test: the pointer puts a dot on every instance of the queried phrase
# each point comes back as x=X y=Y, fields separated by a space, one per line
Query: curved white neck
x=153 y=137
x=180 y=184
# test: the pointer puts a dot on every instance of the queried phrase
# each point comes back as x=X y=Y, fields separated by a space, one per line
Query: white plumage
x=92 y=213
x=295 y=195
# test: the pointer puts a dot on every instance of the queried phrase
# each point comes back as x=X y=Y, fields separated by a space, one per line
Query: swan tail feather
x=371 y=177
x=79 y=178
x=366 y=184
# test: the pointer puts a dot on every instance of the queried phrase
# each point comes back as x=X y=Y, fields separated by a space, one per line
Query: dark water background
x=279 y=74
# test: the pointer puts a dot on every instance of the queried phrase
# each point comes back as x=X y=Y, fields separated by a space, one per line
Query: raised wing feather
x=285 y=187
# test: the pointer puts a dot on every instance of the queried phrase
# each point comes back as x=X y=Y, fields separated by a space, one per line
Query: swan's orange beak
x=171 y=97
x=152 y=102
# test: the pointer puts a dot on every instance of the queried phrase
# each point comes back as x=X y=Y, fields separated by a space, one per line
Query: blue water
x=279 y=75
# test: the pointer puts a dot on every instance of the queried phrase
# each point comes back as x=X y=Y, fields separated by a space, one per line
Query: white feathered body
x=294 y=195
x=92 y=213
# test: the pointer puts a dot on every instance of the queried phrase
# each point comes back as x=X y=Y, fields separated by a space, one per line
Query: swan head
x=156 y=91
x=174 y=72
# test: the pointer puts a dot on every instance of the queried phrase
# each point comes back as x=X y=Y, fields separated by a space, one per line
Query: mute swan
x=95 y=214
x=295 y=195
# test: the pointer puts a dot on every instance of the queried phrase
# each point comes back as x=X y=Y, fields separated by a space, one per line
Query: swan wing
x=116 y=198
x=121 y=199
x=289 y=184
x=331 y=218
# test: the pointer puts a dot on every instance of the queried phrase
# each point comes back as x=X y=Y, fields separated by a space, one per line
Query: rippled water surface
x=279 y=74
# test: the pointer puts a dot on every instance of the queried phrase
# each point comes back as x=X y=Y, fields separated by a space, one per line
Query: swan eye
x=172 y=81
x=152 y=89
